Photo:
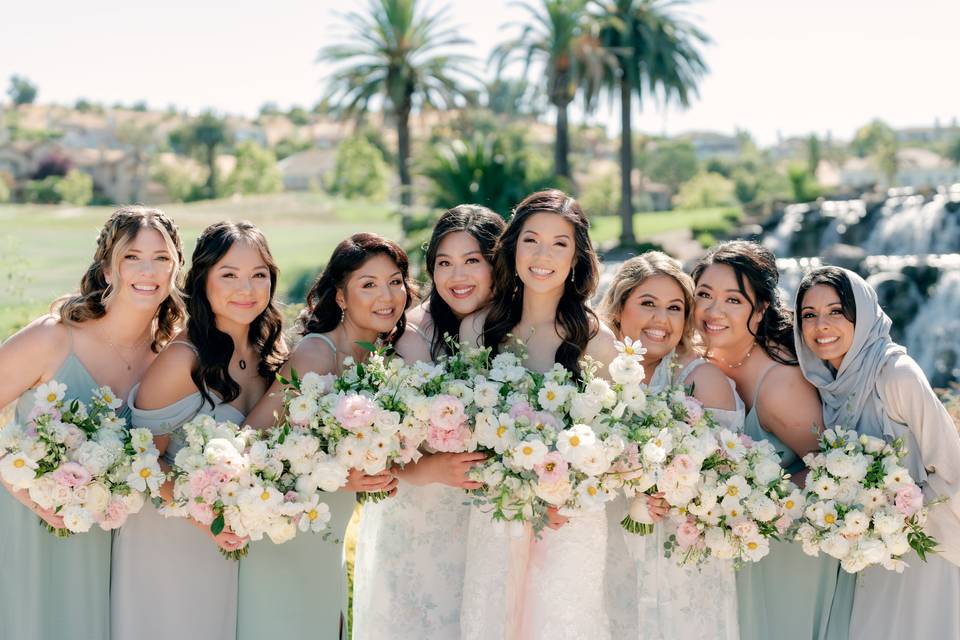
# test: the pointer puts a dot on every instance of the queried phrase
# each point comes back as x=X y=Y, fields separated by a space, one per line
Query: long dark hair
x=214 y=347
x=322 y=313
x=837 y=279
x=485 y=226
x=576 y=323
x=754 y=263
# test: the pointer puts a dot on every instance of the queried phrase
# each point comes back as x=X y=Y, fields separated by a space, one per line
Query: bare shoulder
x=712 y=387
x=786 y=396
x=314 y=355
x=168 y=378
x=47 y=334
x=419 y=317
x=471 y=328
x=412 y=347
x=602 y=347
x=32 y=355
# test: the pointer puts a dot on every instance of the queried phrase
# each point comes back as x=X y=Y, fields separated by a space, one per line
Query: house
x=306 y=170
x=916 y=167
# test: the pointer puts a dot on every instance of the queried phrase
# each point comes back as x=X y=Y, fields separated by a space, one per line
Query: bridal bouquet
x=863 y=508
x=359 y=420
x=80 y=460
x=728 y=496
x=547 y=446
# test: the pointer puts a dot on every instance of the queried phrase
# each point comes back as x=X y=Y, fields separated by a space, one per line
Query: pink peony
x=908 y=500
x=553 y=469
x=115 y=515
x=447 y=413
x=448 y=440
x=210 y=493
x=72 y=474
x=201 y=512
x=629 y=460
x=694 y=409
x=197 y=482
x=687 y=534
x=355 y=412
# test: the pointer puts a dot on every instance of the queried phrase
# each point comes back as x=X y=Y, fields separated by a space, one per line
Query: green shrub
x=600 y=193
x=75 y=188
x=256 y=171
x=176 y=179
x=360 y=170
x=4 y=189
x=706 y=190
x=42 y=191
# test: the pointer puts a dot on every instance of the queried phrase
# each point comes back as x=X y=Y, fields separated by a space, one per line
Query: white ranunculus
x=766 y=471
x=625 y=370
x=835 y=545
x=77 y=519
x=98 y=497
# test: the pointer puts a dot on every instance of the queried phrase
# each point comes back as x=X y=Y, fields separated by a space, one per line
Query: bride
x=545 y=270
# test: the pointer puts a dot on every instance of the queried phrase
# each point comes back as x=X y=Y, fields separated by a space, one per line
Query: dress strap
x=187 y=344
x=756 y=392
x=688 y=369
x=323 y=337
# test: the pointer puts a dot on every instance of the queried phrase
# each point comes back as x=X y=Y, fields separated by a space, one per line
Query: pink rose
x=783 y=523
x=447 y=413
x=688 y=534
x=201 y=512
x=746 y=440
x=694 y=409
x=74 y=437
x=72 y=474
x=115 y=515
x=197 y=482
x=682 y=463
x=908 y=500
x=553 y=469
x=355 y=412
x=409 y=451
x=629 y=460
x=448 y=440
x=521 y=409
x=210 y=493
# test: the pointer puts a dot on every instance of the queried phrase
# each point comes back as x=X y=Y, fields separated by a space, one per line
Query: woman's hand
x=554 y=519
x=657 y=506
x=23 y=497
x=226 y=540
x=445 y=468
x=360 y=482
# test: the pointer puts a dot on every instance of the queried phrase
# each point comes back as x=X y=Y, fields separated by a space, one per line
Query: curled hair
x=632 y=273
x=837 y=279
x=214 y=347
x=322 y=313
x=575 y=322
x=485 y=226
x=95 y=294
x=754 y=263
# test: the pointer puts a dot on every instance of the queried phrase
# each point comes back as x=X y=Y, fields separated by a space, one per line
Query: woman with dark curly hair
x=220 y=366
x=128 y=306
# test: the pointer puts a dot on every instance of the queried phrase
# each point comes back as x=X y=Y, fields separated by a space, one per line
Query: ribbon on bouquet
x=518 y=563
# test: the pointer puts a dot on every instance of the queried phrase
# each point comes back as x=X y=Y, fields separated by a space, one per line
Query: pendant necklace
x=743 y=361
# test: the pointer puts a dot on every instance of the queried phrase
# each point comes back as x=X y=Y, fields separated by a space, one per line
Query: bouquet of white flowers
x=359 y=420
x=862 y=506
x=547 y=445
x=80 y=461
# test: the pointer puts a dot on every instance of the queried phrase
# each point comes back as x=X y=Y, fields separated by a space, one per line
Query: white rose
x=626 y=371
x=98 y=497
x=835 y=545
x=897 y=543
x=762 y=508
x=766 y=471
x=555 y=493
x=77 y=519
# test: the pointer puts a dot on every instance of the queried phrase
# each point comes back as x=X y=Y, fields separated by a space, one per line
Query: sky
x=777 y=67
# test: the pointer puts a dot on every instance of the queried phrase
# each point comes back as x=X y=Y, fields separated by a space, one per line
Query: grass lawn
x=604 y=229
x=44 y=249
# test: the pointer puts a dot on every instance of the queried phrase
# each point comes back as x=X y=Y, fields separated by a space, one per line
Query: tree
x=814 y=153
x=513 y=97
x=360 y=170
x=140 y=141
x=204 y=136
x=398 y=51
x=870 y=137
x=562 y=39
x=706 y=190
x=75 y=188
x=657 y=54
x=672 y=163
x=298 y=116
x=953 y=151
x=255 y=172
x=886 y=160
x=21 y=90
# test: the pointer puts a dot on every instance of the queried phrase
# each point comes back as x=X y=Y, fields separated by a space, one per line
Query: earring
x=573 y=270
x=343 y=314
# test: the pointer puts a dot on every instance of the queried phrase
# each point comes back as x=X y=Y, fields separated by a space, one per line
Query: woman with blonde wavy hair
x=650 y=302
x=127 y=309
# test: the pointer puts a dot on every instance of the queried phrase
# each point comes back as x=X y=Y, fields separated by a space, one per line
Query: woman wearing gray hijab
x=869 y=383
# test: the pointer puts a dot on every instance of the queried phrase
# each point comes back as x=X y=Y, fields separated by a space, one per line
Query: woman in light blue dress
x=411 y=549
x=169 y=579
x=299 y=589
x=870 y=384
x=749 y=335
x=127 y=309
x=650 y=300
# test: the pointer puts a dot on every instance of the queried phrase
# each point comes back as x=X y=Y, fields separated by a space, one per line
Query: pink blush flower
x=448 y=440
x=553 y=469
x=522 y=409
x=783 y=523
x=201 y=512
x=908 y=500
x=687 y=534
x=355 y=412
x=694 y=409
x=115 y=515
x=447 y=413
x=72 y=474
x=545 y=420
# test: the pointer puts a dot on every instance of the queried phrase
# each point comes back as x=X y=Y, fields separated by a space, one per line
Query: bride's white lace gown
x=648 y=596
x=550 y=588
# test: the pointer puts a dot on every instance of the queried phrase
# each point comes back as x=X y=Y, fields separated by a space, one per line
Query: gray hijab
x=850 y=397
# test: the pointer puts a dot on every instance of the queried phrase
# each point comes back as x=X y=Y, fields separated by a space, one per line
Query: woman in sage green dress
x=749 y=335
x=169 y=580
x=869 y=383
x=299 y=589
x=127 y=309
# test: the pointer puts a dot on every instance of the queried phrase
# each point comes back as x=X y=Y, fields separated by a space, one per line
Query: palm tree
x=560 y=37
x=657 y=53
x=395 y=50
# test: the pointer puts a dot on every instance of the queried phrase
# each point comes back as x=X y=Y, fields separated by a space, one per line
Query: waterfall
x=909 y=225
x=933 y=337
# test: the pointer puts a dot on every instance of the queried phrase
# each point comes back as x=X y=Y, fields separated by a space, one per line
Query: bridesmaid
x=545 y=270
x=651 y=301
x=299 y=589
x=169 y=578
x=418 y=538
x=127 y=309
x=749 y=336
x=869 y=383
